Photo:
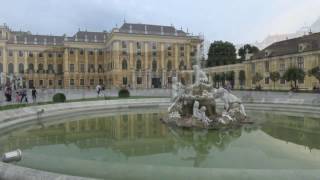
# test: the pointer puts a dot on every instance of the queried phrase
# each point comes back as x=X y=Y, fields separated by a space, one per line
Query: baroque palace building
x=302 y=52
x=134 y=55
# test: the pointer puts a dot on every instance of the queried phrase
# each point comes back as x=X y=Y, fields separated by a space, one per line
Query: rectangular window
x=154 y=46
x=124 y=45
x=60 y=69
x=40 y=82
x=282 y=81
x=50 y=55
x=300 y=62
x=0 y=52
x=50 y=82
x=124 y=81
x=138 y=53
x=169 y=54
x=139 y=80
x=182 y=48
x=81 y=52
x=60 y=82
x=282 y=67
x=71 y=52
x=59 y=55
x=40 y=55
x=267 y=66
x=169 y=80
x=31 y=54
x=20 y=53
x=81 y=82
x=138 y=45
x=91 y=53
x=10 y=53
x=71 y=68
x=154 y=53
x=91 y=82
x=71 y=82
x=100 y=52
x=82 y=68
x=124 y=53
x=100 y=81
x=267 y=80
x=182 y=54
x=169 y=48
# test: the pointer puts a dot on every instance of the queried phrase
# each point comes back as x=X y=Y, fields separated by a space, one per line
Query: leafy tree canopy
x=221 y=53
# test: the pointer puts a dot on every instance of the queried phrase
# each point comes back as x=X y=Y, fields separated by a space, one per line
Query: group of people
x=21 y=95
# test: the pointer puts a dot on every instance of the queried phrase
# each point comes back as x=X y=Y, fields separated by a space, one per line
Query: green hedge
x=123 y=93
x=59 y=97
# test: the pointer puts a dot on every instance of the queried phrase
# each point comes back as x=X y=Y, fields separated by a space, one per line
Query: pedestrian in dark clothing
x=34 y=94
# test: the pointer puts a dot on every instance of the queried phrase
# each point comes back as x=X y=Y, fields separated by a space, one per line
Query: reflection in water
x=142 y=138
x=298 y=130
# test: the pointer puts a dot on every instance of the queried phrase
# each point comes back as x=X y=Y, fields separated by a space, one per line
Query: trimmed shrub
x=123 y=93
x=59 y=97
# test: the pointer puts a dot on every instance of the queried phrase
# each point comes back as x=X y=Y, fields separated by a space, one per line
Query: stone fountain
x=195 y=105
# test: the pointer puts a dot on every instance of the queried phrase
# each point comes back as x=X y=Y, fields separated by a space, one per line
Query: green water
x=139 y=146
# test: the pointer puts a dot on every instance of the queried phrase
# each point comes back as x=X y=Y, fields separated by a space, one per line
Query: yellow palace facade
x=302 y=52
x=134 y=55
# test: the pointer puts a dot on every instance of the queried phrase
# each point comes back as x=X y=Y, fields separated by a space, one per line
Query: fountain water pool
x=135 y=145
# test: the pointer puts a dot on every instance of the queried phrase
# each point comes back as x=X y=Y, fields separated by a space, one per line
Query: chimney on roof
x=65 y=38
x=310 y=32
x=76 y=38
x=54 y=41
x=162 y=33
x=145 y=29
x=35 y=41
x=95 y=38
x=15 y=39
x=45 y=41
x=104 y=38
x=86 y=38
x=176 y=32
x=25 y=40
x=130 y=28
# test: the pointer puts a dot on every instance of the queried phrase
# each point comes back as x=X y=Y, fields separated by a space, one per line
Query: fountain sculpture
x=195 y=105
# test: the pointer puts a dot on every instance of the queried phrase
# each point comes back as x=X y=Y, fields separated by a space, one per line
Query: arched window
x=31 y=67
x=181 y=65
x=40 y=67
x=10 y=68
x=169 y=65
x=124 y=64
x=1 y=68
x=50 y=68
x=21 y=68
x=138 y=64
x=154 y=65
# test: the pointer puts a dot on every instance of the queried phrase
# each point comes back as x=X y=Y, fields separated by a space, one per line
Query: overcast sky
x=237 y=21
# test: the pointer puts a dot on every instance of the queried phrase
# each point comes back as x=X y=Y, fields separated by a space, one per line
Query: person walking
x=98 y=89
x=34 y=95
x=23 y=94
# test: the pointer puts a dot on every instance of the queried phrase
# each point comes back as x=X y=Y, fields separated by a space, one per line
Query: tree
x=243 y=51
x=257 y=77
x=315 y=72
x=230 y=77
x=242 y=77
x=274 y=76
x=294 y=74
x=221 y=53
